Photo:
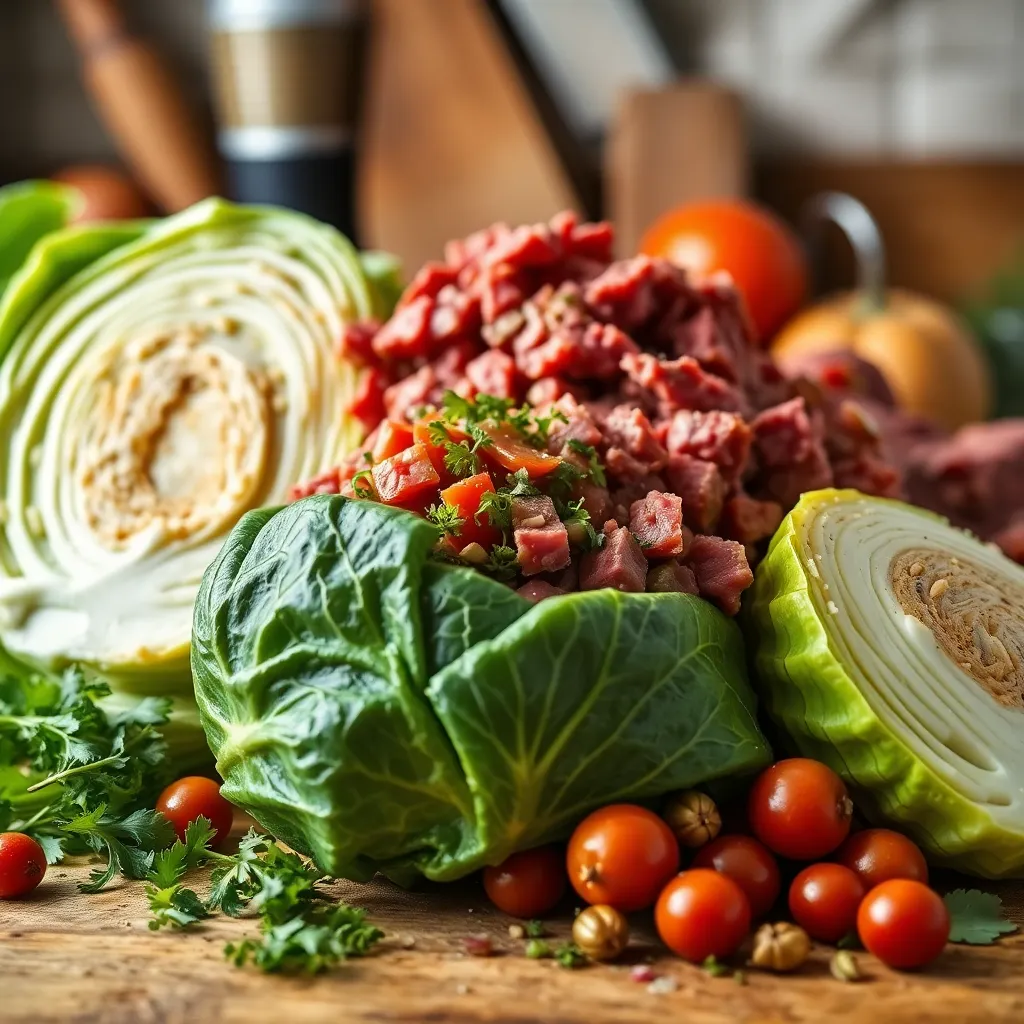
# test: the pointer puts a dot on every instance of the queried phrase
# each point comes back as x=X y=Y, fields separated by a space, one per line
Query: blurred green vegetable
x=28 y=211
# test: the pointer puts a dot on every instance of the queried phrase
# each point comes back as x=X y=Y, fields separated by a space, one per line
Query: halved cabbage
x=151 y=393
x=891 y=646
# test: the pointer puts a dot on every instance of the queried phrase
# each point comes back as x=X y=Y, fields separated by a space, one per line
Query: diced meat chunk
x=493 y=373
x=683 y=383
x=326 y=483
x=629 y=429
x=369 y=403
x=719 y=437
x=657 y=523
x=538 y=590
x=619 y=563
x=791 y=452
x=721 y=569
x=573 y=422
x=700 y=486
x=356 y=342
x=407 y=333
x=542 y=541
x=418 y=389
x=596 y=500
x=748 y=520
x=671 y=578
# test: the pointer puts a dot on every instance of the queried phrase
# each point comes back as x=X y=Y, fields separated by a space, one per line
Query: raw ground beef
x=696 y=429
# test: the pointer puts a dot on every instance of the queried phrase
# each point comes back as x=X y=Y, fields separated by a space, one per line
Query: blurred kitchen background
x=449 y=114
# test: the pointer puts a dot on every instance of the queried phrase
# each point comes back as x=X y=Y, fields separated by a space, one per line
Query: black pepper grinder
x=288 y=76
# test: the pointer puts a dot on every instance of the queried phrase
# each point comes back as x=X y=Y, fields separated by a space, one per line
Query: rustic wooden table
x=66 y=957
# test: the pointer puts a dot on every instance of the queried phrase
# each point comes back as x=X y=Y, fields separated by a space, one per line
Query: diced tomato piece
x=436 y=452
x=509 y=451
x=391 y=437
x=367 y=404
x=406 y=478
x=465 y=496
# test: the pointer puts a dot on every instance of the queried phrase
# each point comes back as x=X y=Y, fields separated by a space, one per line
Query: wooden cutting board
x=66 y=957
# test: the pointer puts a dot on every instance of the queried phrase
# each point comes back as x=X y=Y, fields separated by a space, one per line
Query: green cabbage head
x=378 y=710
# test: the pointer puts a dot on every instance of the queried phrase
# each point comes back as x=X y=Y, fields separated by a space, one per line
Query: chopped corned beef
x=719 y=437
x=619 y=563
x=700 y=486
x=537 y=590
x=493 y=373
x=721 y=569
x=682 y=384
x=748 y=520
x=629 y=429
x=692 y=425
x=542 y=541
x=657 y=523
x=671 y=578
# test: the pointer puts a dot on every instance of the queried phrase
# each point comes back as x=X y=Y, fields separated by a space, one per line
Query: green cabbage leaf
x=380 y=711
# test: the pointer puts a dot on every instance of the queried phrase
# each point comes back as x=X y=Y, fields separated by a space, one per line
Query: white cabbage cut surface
x=891 y=646
x=146 y=403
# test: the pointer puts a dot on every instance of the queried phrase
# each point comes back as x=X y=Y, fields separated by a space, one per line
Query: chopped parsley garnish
x=361 y=490
x=594 y=468
x=446 y=519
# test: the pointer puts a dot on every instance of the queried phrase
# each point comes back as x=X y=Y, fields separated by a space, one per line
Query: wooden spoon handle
x=142 y=106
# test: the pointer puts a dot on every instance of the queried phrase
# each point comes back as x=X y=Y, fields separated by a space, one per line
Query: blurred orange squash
x=929 y=359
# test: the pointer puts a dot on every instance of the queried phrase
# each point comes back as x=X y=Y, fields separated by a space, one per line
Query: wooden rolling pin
x=142 y=106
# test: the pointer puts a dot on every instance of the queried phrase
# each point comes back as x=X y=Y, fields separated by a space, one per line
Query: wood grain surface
x=65 y=957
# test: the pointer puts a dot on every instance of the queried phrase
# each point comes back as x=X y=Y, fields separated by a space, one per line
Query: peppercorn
x=601 y=932
x=780 y=947
x=693 y=817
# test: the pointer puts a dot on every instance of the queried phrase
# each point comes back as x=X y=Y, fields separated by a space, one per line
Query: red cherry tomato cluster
x=626 y=857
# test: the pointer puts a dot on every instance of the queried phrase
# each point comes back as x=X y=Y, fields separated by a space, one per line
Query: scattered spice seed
x=602 y=932
x=516 y=931
x=780 y=947
x=938 y=588
x=538 y=949
x=642 y=973
x=844 y=967
x=408 y=941
x=740 y=977
x=478 y=945
x=662 y=986
x=461 y=990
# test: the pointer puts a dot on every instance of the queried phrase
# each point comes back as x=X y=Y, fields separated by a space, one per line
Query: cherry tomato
x=878 y=854
x=196 y=797
x=22 y=864
x=761 y=253
x=823 y=900
x=528 y=883
x=622 y=855
x=702 y=913
x=749 y=864
x=800 y=809
x=904 y=923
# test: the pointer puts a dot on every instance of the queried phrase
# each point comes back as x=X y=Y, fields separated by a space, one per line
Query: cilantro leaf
x=446 y=519
x=570 y=956
x=594 y=468
x=311 y=942
x=461 y=460
x=174 y=905
x=976 y=917
x=171 y=864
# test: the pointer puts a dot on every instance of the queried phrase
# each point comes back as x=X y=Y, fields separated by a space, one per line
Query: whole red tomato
x=622 y=855
x=904 y=923
x=761 y=253
x=193 y=797
x=528 y=883
x=800 y=809
x=878 y=854
x=22 y=864
x=702 y=913
x=824 y=899
x=749 y=864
